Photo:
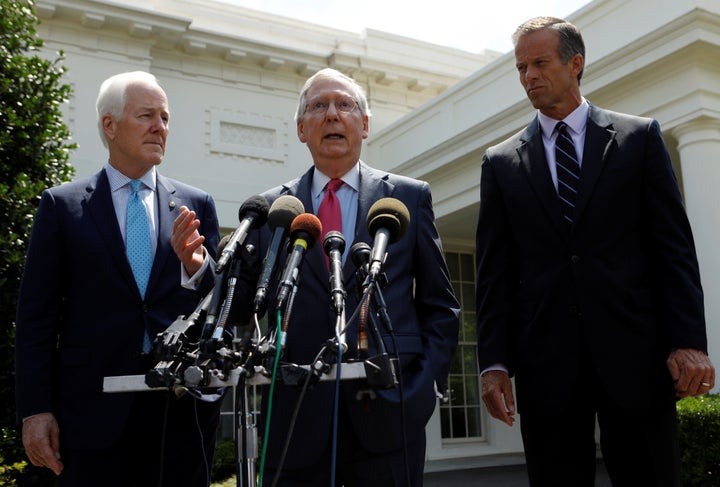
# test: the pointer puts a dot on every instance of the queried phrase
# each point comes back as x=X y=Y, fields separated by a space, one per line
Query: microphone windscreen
x=333 y=240
x=360 y=253
x=257 y=205
x=391 y=214
x=308 y=223
x=283 y=211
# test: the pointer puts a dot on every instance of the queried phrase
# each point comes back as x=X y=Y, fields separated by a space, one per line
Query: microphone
x=282 y=213
x=360 y=255
x=304 y=232
x=387 y=222
x=334 y=246
x=222 y=245
x=252 y=214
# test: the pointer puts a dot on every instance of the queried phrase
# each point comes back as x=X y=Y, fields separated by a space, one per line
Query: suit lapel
x=315 y=257
x=100 y=205
x=374 y=185
x=599 y=137
x=167 y=212
x=534 y=162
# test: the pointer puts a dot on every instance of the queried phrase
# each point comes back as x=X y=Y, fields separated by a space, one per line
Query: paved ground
x=510 y=476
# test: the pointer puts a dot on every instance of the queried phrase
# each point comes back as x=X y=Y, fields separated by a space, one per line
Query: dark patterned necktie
x=568 y=171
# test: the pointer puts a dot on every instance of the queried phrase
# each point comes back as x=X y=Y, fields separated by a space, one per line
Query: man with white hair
x=101 y=279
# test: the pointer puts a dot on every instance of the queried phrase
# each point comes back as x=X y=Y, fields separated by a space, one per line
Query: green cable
x=270 y=399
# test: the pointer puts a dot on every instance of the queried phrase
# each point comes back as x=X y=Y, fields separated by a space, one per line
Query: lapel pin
x=172 y=204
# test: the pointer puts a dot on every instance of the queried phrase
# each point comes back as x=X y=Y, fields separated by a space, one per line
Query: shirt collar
x=117 y=179
x=576 y=120
x=350 y=178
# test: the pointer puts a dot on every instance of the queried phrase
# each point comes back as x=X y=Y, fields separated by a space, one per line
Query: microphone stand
x=379 y=369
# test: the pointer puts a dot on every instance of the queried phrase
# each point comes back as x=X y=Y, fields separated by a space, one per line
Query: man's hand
x=41 y=439
x=692 y=372
x=497 y=394
x=187 y=242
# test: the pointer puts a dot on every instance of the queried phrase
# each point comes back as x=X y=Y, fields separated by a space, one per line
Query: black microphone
x=334 y=246
x=360 y=255
x=304 y=232
x=282 y=213
x=252 y=214
x=387 y=222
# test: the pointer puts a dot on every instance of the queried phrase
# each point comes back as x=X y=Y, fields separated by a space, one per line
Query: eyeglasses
x=344 y=104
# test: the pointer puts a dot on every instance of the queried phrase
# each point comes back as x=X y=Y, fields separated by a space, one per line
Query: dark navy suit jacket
x=423 y=312
x=622 y=284
x=80 y=315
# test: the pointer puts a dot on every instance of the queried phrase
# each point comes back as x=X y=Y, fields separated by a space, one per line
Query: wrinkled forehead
x=327 y=87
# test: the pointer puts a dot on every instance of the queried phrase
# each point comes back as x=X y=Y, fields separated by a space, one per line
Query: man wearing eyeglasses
x=377 y=443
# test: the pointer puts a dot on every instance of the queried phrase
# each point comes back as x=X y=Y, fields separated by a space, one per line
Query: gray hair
x=570 y=43
x=329 y=73
x=111 y=97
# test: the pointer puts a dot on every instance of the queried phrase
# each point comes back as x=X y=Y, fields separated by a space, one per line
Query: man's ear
x=109 y=126
x=301 y=131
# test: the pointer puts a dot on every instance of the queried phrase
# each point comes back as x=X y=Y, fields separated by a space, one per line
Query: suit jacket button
x=145 y=308
x=575 y=259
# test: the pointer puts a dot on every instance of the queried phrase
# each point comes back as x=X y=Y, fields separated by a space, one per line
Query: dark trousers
x=166 y=442
x=639 y=448
x=356 y=466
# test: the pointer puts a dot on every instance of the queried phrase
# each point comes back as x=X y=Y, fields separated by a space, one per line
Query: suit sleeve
x=494 y=273
x=39 y=314
x=437 y=307
x=210 y=228
x=672 y=249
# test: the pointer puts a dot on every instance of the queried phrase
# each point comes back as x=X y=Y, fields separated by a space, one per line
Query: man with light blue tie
x=101 y=279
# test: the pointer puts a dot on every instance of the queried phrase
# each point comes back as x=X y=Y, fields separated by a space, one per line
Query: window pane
x=472 y=391
x=452 y=263
x=459 y=424
x=445 y=423
x=473 y=421
x=467 y=267
x=469 y=327
x=457 y=391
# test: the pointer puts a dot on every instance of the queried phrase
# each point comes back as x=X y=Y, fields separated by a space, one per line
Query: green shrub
x=33 y=156
x=225 y=463
x=700 y=440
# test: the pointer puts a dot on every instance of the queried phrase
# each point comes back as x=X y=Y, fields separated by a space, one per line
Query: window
x=460 y=414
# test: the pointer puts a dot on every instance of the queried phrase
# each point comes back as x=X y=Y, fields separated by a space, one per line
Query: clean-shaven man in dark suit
x=82 y=316
x=332 y=120
x=592 y=298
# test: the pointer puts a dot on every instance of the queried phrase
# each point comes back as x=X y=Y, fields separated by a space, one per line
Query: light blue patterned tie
x=138 y=243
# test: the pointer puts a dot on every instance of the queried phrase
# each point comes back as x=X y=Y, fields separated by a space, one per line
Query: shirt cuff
x=193 y=283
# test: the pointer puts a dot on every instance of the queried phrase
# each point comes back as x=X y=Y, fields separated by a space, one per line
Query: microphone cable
x=379 y=302
x=293 y=420
x=163 y=439
x=336 y=404
x=273 y=380
x=202 y=439
x=245 y=463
